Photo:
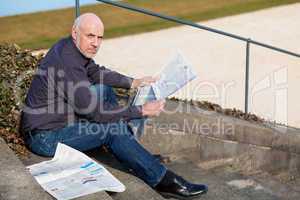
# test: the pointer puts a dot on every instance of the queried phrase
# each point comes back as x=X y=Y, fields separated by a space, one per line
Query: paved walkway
x=220 y=61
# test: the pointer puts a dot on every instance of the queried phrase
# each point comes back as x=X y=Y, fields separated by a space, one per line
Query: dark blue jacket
x=59 y=93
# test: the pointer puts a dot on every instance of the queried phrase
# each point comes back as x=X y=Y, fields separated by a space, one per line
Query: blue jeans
x=136 y=125
x=115 y=136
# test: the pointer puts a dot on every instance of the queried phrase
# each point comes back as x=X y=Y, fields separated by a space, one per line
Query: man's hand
x=153 y=108
x=147 y=80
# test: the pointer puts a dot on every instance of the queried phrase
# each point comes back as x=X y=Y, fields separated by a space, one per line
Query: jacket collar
x=73 y=49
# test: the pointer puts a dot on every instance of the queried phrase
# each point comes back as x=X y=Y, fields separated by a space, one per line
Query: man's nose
x=96 y=42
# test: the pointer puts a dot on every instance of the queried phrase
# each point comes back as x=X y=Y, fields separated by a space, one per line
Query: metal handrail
x=185 y=22
x=77 y=8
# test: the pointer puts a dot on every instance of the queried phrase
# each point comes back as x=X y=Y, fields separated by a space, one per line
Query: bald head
x=87 y=19
x=87 y=33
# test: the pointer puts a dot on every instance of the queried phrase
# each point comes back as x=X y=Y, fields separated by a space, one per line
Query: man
x=70 y=100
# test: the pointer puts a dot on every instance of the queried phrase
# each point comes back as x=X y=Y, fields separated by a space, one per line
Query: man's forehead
x=92 y=29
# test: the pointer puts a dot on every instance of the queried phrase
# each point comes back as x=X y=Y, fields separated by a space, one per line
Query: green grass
x=41 y=30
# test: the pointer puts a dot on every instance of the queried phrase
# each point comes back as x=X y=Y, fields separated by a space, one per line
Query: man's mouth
x=93 y=51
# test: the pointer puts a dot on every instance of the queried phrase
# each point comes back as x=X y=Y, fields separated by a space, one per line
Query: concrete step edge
x=192 y=120
x=16 y=182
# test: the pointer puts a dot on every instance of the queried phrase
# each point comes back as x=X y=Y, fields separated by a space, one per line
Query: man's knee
x=104 y=91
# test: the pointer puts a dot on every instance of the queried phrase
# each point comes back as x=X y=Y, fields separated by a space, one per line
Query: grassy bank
x=41 y=30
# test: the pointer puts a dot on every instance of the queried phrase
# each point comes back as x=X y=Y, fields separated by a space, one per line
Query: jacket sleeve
x=102 y=75
x=86 y=104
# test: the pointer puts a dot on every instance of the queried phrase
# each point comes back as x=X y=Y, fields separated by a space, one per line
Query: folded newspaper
x=71 y=174
x=176 y=74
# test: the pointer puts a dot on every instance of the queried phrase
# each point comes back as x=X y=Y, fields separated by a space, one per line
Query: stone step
x=216 y=136
x=190 y=119
x=224 y=180
x=205 y=148
x=227 y=183
x=16 y=183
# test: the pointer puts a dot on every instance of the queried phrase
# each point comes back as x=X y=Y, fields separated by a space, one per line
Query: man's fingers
x=151 y=78
x=154 y=108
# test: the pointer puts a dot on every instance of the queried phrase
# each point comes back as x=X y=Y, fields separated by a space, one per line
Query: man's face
x=88 y=38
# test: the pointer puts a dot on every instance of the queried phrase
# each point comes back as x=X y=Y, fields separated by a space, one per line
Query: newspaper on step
x=175 y=74
x=72 y=174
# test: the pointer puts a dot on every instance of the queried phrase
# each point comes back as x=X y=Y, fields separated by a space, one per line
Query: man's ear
x=74 y=33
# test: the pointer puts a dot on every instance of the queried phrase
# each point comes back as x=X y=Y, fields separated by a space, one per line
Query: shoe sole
x=171 y=195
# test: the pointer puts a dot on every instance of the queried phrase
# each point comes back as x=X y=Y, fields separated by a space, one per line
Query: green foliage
x=43 y=29
x=17 y=67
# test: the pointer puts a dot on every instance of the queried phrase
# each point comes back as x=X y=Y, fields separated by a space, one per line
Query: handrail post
x=77 y=8
x=247 y=75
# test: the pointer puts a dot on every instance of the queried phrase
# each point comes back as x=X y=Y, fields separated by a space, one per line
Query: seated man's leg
x=81 y=136
x=108 y=95
x=137 y=127
x=130 y=152
x=105 y=92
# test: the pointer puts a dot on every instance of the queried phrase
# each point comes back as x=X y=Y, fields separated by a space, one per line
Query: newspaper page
x=144 y=95
x=71 y=174
x=175 y=74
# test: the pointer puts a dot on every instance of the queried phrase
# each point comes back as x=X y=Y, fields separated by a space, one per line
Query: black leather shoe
x=174 y=186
